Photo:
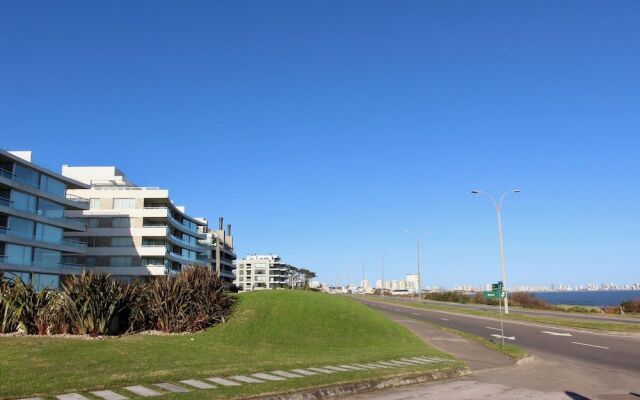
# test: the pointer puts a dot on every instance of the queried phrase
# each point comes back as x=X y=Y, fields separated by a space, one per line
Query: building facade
x=219 y=253
x=133 y=232
x=259 y=272
x=36 y=234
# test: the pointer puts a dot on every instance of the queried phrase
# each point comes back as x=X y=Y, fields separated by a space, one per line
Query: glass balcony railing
x=34 y=263
x=10 y=175
x=80 y=223
x=24 y=235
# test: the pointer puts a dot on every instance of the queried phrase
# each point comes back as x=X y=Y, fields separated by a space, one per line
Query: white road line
x=590 y=345
x=506 y=337
x=495 y=329
x=445 y=319
x=557 y=333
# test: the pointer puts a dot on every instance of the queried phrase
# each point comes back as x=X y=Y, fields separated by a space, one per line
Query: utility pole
x=382 y=274
x=363 y=289
x=419 y=278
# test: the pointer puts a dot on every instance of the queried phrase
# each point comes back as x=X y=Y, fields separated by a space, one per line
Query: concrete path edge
x=367 y=385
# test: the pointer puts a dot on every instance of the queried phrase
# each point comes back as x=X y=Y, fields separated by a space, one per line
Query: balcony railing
x=24 y=235
x=75 y=221
x=32 y=263
x=77 y=199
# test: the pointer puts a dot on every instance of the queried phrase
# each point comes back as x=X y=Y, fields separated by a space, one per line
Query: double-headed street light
x=498 y=206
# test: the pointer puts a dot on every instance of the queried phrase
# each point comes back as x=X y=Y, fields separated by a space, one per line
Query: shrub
x=452 y=297
x=8 y=308
x=528 y=300
x=631 y=306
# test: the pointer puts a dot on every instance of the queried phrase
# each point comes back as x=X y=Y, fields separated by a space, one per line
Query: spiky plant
x=8 y=308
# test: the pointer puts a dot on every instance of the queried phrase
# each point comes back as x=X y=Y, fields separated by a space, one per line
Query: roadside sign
x=494 y=294
x=496 y=286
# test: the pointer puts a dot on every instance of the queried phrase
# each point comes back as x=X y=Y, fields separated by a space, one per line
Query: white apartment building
x=33 y=225
x=259 y=272
x=133 y=231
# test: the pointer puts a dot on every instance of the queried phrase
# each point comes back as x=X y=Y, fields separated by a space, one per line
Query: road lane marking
x=445 y=319
x=495 y=329
x=557 y=333
x=505 y=337
x=590 y=345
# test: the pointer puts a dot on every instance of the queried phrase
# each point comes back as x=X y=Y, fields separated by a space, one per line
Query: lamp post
x=498 y=206
x=418 y=267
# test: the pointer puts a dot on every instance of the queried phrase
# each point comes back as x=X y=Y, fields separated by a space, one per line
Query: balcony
x=30 y=236
x=71 y=199
x=76 y=223
x=36 y=266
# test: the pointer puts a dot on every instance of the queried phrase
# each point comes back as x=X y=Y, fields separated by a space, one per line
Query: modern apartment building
x=219 y=251
x=134 y=231
x=33 y=221
x=259 y=272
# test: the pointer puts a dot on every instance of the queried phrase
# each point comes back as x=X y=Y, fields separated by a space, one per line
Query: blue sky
x=323 y=130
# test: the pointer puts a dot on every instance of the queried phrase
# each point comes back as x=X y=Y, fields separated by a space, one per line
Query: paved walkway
x=187 y=385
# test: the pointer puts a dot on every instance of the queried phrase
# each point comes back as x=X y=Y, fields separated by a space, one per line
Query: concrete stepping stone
x=170 y=387
x=197 y=384
x=223 y=382
x=246 y=379
x=367 y=366
x=386 y=364
x=109 y=395
x=142 y=391
x=323 y=370
x=304 y=372
x=71 y=396
x=403 y=363
x=411 y=361
x=351 y=367
x=286 y=374
x=268 y=377
x=337 y=369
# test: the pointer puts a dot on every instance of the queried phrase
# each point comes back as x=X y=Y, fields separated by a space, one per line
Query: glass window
x=50 y=209
x=94 y=204
x=46 y=257
x=93 y=222
x=52 y=185
x=23 y=201
x=91 y=261
x=12 y=276
x=124 y=203
x=48 y=233
x=27 y=175
x=152 y=261
x=121 y=222
x=21 y=227
x=45 y=281
x=17 y=254
x=119 y=261
x=121 y=241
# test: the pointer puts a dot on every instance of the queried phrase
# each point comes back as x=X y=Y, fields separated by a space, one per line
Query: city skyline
x=342 y=138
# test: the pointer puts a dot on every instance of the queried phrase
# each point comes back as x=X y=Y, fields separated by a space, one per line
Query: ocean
x=590 y=298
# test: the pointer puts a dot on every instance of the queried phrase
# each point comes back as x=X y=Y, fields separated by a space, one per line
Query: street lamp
x=418 y=265
x=498 y=206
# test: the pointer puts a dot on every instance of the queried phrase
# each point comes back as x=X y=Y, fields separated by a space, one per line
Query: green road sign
x=496 y=286
x=494 y=294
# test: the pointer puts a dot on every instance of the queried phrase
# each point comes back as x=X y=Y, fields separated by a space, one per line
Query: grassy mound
x=267 y=331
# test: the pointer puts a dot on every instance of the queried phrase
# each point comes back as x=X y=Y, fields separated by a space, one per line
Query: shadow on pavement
x=576 y=396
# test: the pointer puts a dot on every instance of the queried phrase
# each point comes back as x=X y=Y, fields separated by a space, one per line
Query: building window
x=124 y=203
x=46 y=257
x=121 y=223
x=23 y=201
x=21 y=227
x=120 y=261
x=50 y=209
x=45 y=281
x=121 y=241
x=48 y=233
x=94 y=204
x=16 y=254
x=53 y=186
x=93 y=222
x=26 y=175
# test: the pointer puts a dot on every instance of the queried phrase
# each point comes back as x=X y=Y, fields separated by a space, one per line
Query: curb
x=367 y=385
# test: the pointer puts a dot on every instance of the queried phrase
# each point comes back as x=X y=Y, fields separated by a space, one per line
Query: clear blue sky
x=323 y=130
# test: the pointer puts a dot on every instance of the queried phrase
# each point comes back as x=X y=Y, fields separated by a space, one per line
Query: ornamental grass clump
x=98 y=304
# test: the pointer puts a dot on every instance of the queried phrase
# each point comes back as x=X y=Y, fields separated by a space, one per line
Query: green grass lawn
x=542 y=319
x=268 y=330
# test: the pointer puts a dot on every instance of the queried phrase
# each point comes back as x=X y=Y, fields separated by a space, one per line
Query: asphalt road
x=516 y=310
x=611 y=351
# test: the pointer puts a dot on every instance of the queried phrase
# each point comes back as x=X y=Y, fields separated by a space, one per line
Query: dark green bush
x=631 y=306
